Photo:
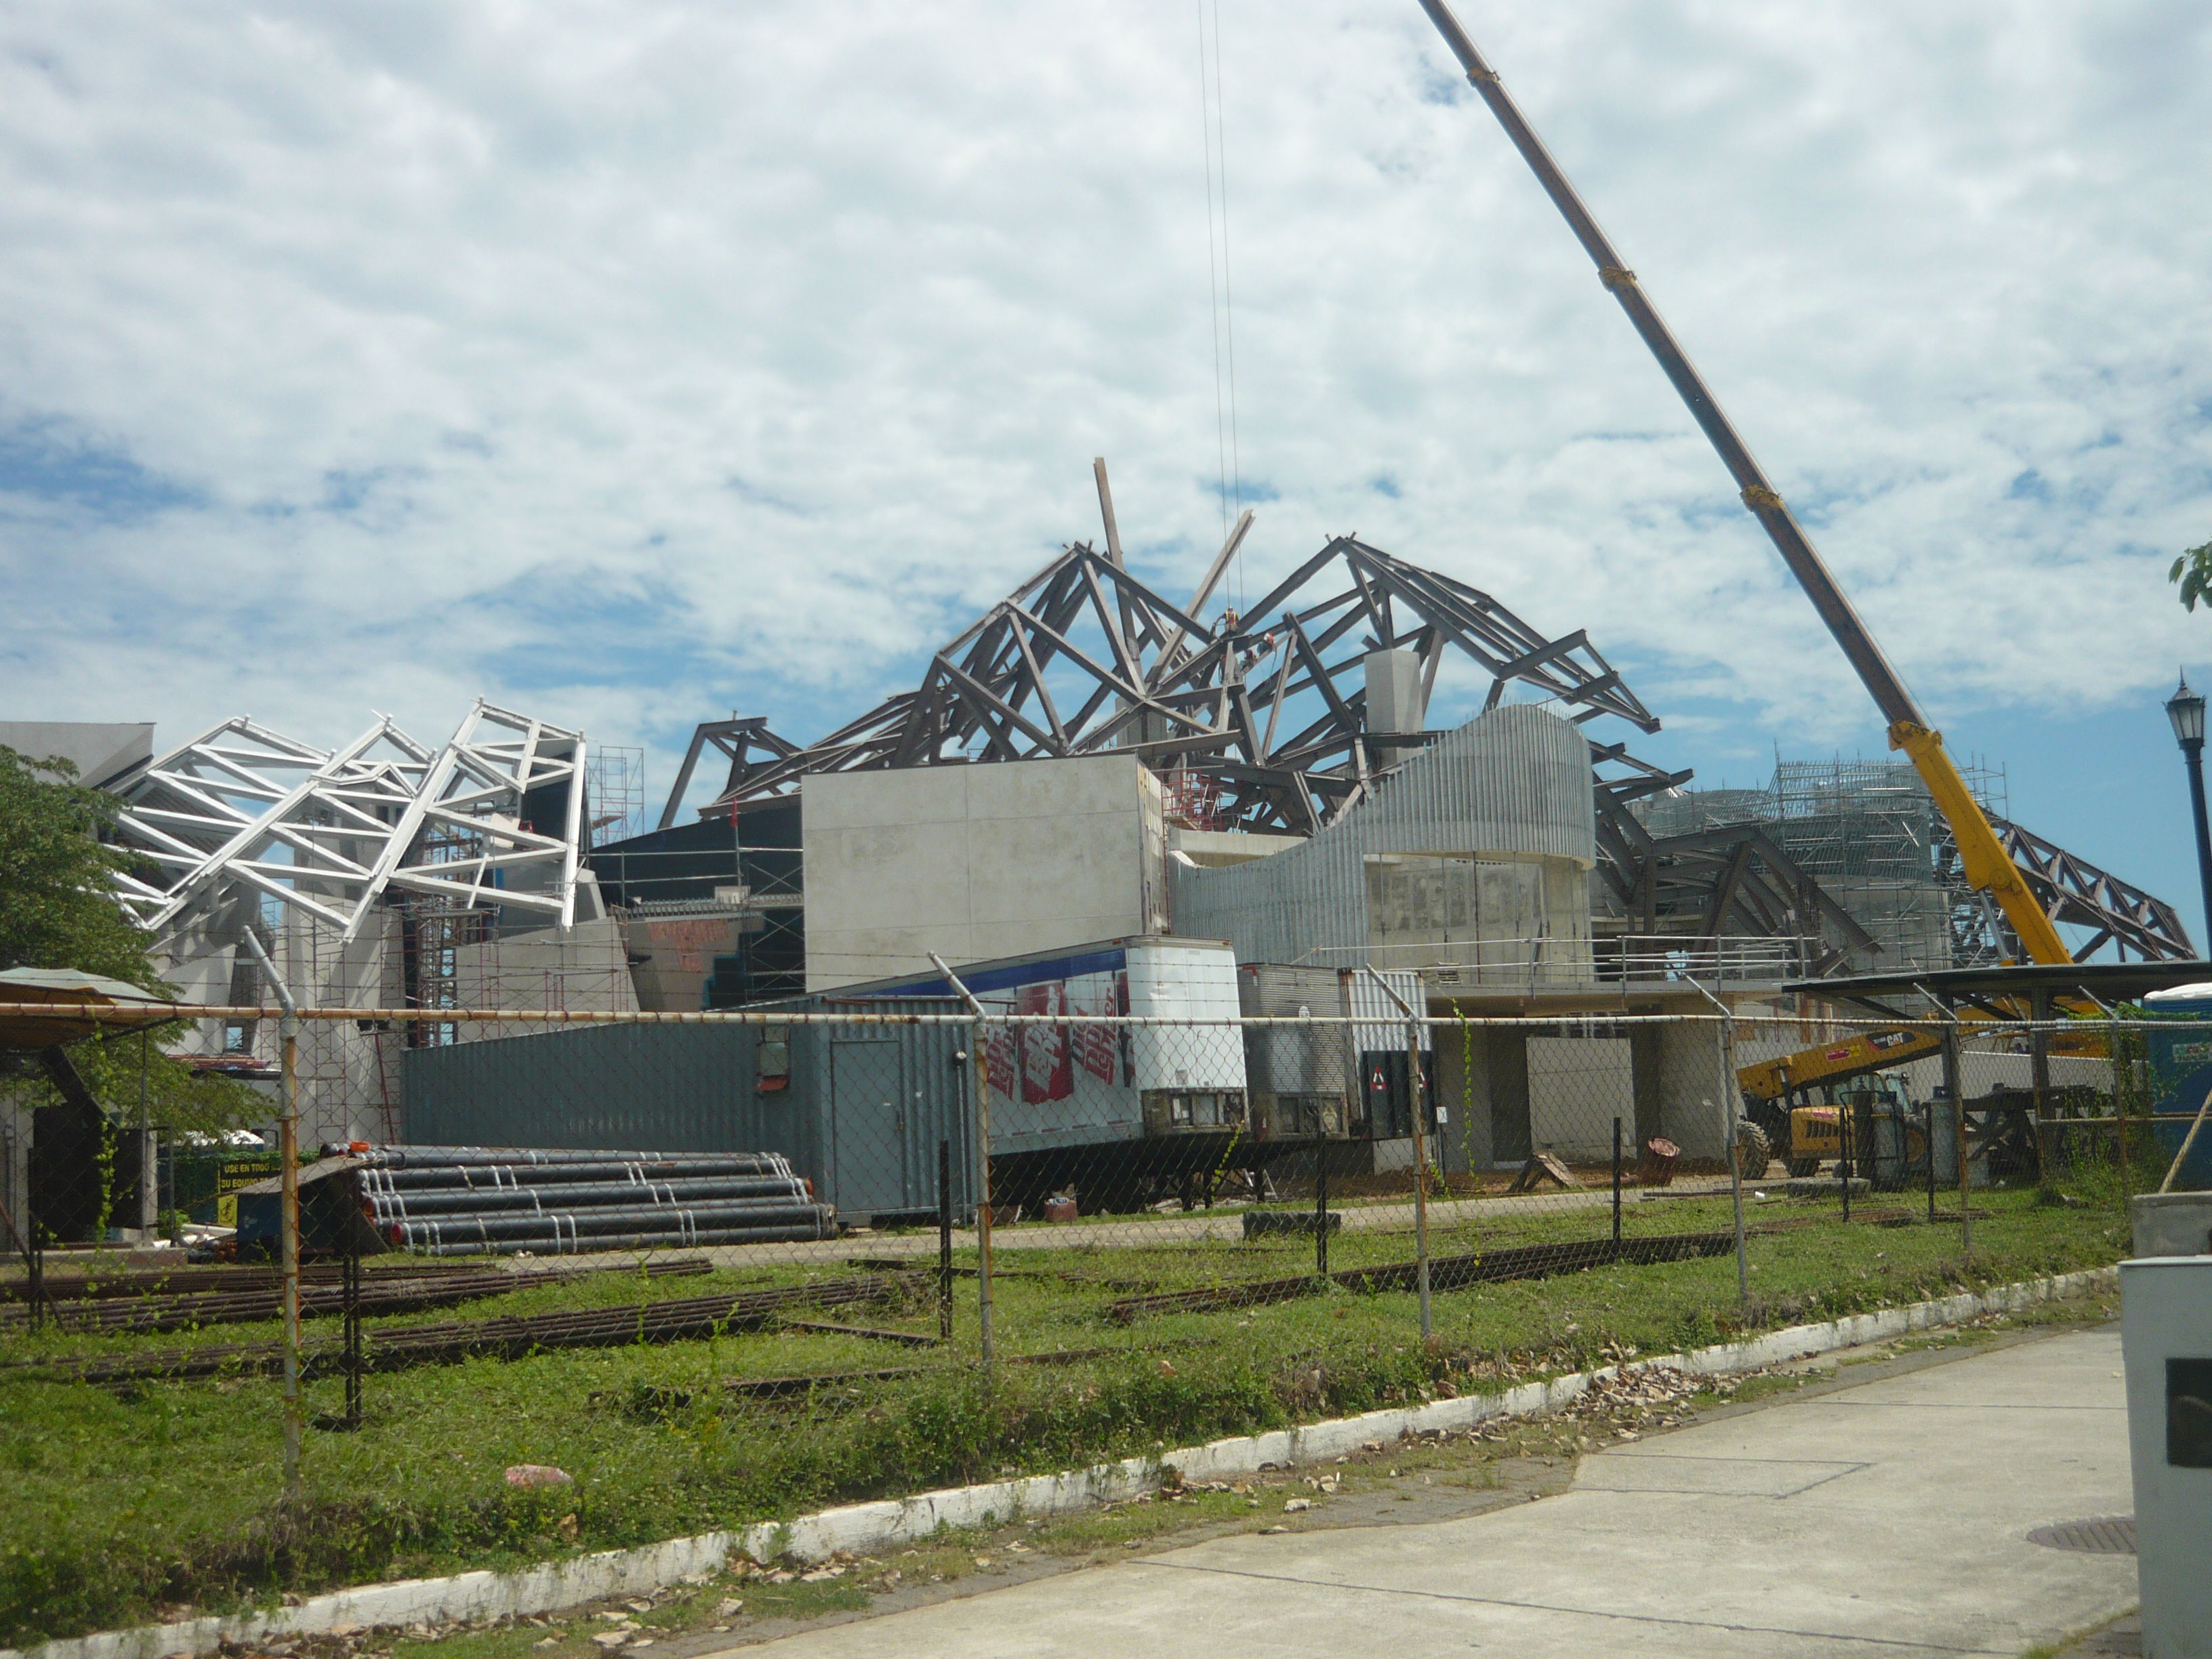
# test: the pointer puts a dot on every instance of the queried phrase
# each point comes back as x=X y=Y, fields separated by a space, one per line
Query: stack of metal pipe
x=469 y=1200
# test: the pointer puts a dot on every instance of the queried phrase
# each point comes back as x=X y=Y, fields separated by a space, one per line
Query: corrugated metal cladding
x=859 y=1112
x=1514 y=780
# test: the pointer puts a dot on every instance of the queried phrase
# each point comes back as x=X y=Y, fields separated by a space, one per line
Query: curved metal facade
x=1512 y=787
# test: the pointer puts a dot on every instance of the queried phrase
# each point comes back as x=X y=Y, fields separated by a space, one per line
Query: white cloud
x=633 y=363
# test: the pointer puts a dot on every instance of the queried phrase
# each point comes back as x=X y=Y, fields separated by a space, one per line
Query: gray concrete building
x=1476 y=852
x=977 y=862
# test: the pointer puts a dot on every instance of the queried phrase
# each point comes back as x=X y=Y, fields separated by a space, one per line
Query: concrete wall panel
x=1693 y=1089
x=922 y=795
x=1504 y=795
x=1576 y=1087
x=975 y=862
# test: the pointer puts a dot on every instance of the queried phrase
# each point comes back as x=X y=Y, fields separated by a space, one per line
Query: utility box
x=2165 y=1315
x=1328 y=1081
x=2173 y=1224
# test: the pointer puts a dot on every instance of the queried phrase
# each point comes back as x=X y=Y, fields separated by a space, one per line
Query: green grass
x=123 y=1504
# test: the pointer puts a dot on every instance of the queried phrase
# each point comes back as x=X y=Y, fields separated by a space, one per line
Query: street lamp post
x=2186 y=708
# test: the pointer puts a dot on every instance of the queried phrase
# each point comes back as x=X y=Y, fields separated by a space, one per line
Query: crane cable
x=1220 y=307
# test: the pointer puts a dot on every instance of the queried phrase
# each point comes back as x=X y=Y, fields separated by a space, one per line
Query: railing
x=1554 y=963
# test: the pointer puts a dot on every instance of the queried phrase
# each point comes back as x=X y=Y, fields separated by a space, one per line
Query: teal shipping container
x=858 y=1110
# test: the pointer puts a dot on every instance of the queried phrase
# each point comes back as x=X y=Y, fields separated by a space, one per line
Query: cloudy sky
x=636 y=363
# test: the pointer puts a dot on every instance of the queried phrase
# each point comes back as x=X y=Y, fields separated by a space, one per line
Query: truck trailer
x=1121 y=1116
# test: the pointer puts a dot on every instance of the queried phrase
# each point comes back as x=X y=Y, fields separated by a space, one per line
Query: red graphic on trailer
x=1046 y=1072
x=1000 y=1060
x=1094 y=1044
x=1128 y=1049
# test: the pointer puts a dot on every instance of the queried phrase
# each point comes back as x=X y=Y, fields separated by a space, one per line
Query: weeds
x=124 y=1507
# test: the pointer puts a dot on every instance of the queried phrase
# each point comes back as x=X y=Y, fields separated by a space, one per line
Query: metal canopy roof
x=1900 y=994
x=68 y=987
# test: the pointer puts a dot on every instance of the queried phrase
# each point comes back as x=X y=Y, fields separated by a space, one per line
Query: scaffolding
x=614 y=792
x=1868 y=832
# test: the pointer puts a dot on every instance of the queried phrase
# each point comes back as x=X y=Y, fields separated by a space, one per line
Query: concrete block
x=1394 y=691
x=1053 y=789
x=973 y=862
x=920 y=794
x=2173 y=1224
x=1576 y=1087
x=1038 y=867
x=905 y=875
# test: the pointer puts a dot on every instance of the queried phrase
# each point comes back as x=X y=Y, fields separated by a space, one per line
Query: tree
x=2193 y=570
x=57 y=910
x=57 y=907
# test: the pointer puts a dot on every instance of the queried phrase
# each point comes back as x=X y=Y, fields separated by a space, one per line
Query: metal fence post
x=1735 y=1187
x=1928 y=1145
x=34 y=1269
x=979 y=1079
x=945 y=1241
x=288 y=1144
x=979 y=1072
x=150 y=1195
x=1420 y=1150
x=1420 y=1176
x=1846 y=1141
x=1954 y=1087
x=1733 y=1088
x=352 y=1322
x=1321 y=1208
x=1616 y=1180
x=2120 y=1135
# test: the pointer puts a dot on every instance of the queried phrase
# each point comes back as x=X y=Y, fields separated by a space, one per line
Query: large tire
x=1754 y=1152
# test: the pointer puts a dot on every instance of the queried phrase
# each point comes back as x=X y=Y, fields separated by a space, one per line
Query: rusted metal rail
x=1445 y=1272
x=383 y=1293
x=399 y=1348
x=195 y=1277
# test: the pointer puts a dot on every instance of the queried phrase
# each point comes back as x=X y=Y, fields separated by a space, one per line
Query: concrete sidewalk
x=1887 y=1518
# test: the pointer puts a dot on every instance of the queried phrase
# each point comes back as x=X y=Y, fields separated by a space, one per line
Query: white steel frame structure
x=241 y=810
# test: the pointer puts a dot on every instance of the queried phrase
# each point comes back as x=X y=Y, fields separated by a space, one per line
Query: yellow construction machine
x=1803 y=1135
x=1982 y=856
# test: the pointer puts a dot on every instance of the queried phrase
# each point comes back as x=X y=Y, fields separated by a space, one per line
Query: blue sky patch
x=47 y=461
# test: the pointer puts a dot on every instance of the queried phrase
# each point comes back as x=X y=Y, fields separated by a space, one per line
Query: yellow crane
x=1982 y=856
x=1983 y=859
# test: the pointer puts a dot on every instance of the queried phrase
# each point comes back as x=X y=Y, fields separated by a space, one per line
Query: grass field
x=130 y=1502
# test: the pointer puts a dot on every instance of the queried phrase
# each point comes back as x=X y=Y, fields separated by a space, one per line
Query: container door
x=867 y=1148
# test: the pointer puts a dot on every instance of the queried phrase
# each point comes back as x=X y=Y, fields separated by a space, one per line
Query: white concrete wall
x=977 y=861
x=1576 y=1087
x=1693 y=1089
x=585 y=967
x=1508 y=919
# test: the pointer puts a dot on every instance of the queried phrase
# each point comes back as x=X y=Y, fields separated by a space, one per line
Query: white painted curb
x=863 y=1527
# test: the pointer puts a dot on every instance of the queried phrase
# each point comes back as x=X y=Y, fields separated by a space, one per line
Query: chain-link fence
x=801 y=1243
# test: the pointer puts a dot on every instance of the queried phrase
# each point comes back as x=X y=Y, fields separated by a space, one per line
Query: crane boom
x=1982 y=856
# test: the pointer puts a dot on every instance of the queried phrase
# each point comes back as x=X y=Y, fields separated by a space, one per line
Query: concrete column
x=1693 y=1089
x=1646 y=1080
x=1508 y=1095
